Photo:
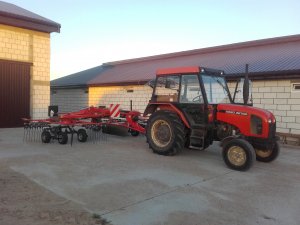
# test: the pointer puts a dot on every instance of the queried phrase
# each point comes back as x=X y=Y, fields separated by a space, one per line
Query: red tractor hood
x=240 y=116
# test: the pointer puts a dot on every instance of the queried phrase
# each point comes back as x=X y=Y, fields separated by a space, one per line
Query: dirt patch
x=23 y=202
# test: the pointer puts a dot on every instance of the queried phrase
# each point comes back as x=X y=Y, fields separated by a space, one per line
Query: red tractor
x=192 y=107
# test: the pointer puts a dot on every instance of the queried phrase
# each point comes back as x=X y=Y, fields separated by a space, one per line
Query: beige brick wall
x=119 y=95
x=69 y=100
x=277 y=97
x=34 y=47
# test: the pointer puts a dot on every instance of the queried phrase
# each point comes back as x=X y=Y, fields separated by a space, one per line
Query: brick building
x=274 y=68
x=24 y=64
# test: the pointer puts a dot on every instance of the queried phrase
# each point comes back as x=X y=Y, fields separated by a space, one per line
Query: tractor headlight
x=272 y=120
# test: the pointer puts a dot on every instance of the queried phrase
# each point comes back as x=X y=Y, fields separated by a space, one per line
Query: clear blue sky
x=98 y=31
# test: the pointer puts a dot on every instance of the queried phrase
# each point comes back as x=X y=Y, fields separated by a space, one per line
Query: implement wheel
x=268 y=155
x=165 y=133
x=238 y=154
x=134 y=133
x=46 y=136
x=81 y=135
x=62 y=138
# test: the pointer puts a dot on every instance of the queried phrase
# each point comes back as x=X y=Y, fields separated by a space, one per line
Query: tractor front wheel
x=165 y=133
x=268 y=155
x=238 y=154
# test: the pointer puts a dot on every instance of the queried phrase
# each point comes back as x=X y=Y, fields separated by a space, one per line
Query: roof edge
x=29 y=23
x=246 y=44
x=68 y=86
x=140 y=82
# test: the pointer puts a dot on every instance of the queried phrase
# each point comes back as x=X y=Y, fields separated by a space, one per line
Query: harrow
x=91 y=124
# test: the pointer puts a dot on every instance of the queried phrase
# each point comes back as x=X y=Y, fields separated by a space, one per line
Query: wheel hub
x=237 y=156
x=161 y=133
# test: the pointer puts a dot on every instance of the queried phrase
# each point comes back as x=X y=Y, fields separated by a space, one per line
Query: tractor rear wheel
x=238 y=154
x=268 y=155
x=165 y=133
x=62 y=138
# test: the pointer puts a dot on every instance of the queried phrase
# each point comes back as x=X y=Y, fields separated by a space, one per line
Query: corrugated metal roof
x=79 y=79
x=271 y=57
x=11 y=14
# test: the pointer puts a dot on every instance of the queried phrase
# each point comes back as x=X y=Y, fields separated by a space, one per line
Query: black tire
x=238 y=154
x=165 y=133
x=82 y=135
x=62 y=138
x=46 y=136
x=268 y=155
x=134 y=133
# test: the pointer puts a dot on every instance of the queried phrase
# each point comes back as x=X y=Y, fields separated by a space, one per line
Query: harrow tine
x=72 y=136
x=94 y=135
x=39 y=132
x=25 y=132
x=35 y=133
x=30 y=132
x=97 y=134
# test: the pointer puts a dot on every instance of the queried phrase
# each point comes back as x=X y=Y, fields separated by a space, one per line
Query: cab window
x=190 y=91
x=167 y=88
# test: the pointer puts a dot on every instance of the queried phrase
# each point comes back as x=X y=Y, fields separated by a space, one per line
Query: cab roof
x=178 y=70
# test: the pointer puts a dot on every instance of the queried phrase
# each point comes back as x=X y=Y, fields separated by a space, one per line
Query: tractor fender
x=152 y=107
x=229 y=138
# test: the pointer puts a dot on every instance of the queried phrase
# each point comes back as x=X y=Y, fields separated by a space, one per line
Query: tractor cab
x=193 y=106
x=192 y=86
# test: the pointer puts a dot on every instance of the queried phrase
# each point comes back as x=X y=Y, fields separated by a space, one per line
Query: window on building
x=295 y=87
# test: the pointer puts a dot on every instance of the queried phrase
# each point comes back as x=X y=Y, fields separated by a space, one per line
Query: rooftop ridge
x=246 y=44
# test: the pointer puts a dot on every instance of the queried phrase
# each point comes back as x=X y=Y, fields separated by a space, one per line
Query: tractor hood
x=240 y=116
x=244 y=110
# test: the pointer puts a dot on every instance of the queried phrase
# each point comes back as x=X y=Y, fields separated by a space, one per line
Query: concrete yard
x=124 y=182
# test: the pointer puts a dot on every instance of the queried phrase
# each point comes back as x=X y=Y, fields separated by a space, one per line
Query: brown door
x=14 y=93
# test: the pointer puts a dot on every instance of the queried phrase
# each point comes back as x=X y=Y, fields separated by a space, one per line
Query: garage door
x=14 y=93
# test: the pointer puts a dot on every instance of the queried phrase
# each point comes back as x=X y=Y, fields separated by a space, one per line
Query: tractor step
x=197 y=142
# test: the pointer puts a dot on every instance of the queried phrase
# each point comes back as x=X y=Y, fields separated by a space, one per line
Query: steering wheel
x=197 y=98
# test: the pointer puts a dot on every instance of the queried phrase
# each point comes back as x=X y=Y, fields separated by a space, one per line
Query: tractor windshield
x=216 y=89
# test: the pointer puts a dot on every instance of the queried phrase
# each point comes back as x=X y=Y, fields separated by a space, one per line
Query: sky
x=97 y=31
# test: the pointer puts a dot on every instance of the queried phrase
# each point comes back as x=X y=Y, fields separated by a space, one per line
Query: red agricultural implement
x=92 y=122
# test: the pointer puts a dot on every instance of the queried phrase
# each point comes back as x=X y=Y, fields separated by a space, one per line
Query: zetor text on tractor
x=192 y=107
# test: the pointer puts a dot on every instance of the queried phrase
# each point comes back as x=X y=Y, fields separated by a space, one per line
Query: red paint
x=179 y=70
x=93 y=116
x=210 y=113
x=171 y=107
x=242 y=122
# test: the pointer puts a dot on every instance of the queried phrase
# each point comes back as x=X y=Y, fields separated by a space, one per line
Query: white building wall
x=69 y=100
